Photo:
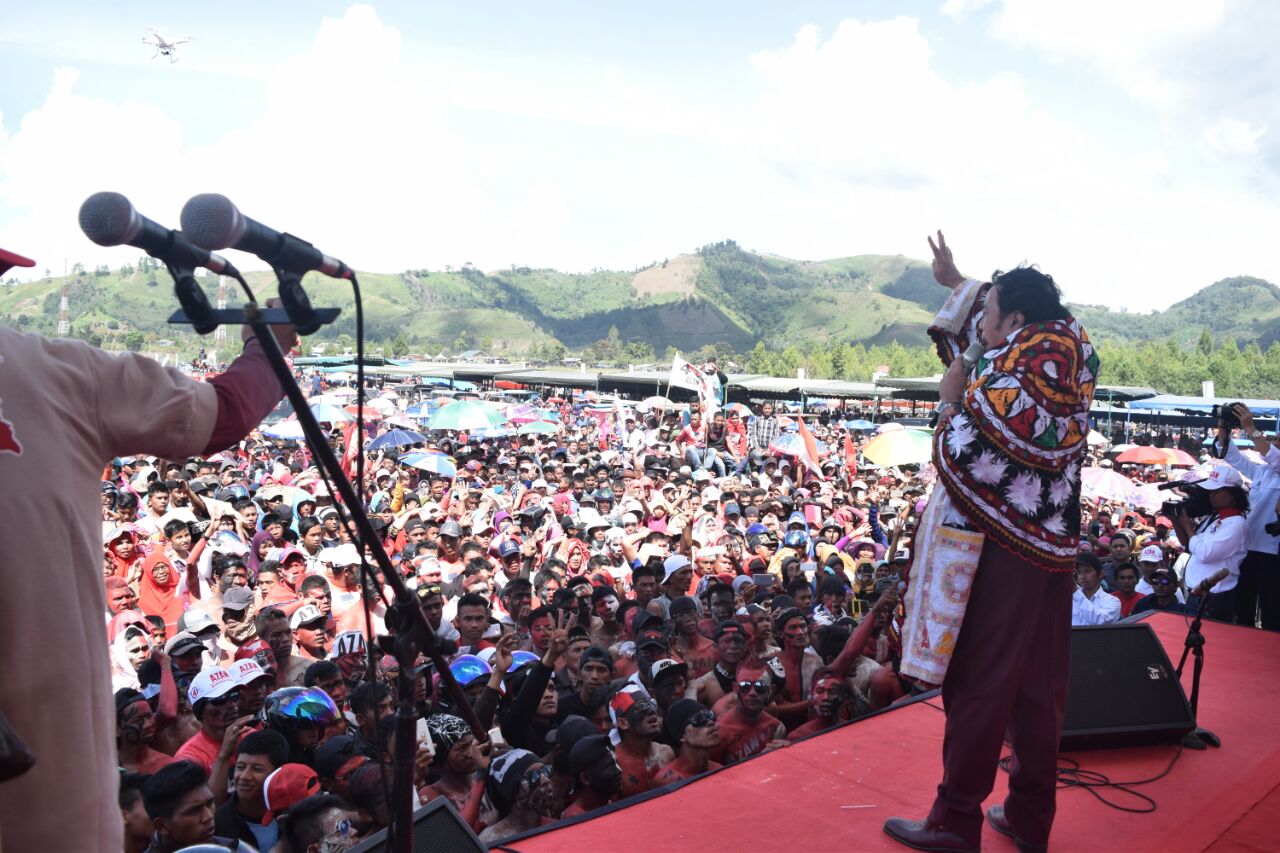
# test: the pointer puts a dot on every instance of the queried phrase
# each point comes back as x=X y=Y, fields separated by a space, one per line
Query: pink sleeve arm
x=247 y=392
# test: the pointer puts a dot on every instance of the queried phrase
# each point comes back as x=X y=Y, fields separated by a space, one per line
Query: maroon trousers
x=1009 y=676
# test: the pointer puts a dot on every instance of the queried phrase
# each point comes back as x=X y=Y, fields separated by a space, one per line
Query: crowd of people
x=622 y=618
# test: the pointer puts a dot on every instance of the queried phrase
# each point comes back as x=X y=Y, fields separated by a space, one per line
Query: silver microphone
x=972 y=354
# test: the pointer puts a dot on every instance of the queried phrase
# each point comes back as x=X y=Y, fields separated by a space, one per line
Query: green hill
x=720 y=295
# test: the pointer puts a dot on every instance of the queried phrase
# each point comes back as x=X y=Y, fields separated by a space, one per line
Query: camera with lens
x=1273 y=529
x=1226 y=415
x=1195 y=504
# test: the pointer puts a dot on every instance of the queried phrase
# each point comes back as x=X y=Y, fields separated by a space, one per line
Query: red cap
x=287 y=786
x=10 y=259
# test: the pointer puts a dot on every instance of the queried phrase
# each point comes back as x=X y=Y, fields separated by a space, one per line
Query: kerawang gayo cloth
x=946 y=560
x=1010 y=457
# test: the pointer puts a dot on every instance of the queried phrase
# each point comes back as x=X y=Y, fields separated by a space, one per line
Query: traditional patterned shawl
x=1010 y=458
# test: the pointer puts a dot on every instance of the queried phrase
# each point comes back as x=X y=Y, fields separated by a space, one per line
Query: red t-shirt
x=742 y=738
x=677 y=770
x=1127 y=601
x=701 y=657
x=201 y=749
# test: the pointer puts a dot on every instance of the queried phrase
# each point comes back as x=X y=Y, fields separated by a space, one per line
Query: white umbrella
x=289 y=430
x=650 y=403
x=1105 y=484
x=342 y=392
x=1097 y=439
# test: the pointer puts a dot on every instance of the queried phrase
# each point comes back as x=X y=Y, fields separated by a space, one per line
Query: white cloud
x=1229 y=137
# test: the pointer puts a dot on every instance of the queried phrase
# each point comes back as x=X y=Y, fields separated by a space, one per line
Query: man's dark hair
x=158 y=487
x=269 y=744
x=515 y=586
x=1030 y=291
x=239 y=505
x=173 y=526
x=367 y=695
x=318 y=670
x=127 y=500
x=538 y=612
x=473 y=599
x=155 y=621
x=649 y=570
x=311 y=582
x=831 y=586
x=221 y=562
x=131 y=788
x=167 y=786
x=1130 y=566
x=475 y=566
x=306 y=523
x=264 y=616
x=303 y=824
x=797 y=584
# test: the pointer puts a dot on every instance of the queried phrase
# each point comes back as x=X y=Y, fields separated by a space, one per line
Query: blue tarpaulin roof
x=1173 y=402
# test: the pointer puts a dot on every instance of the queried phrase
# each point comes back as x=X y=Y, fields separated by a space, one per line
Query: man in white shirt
x=1217 y=541
x=1149 y=562
x=1259 y=585
x=1091 y=604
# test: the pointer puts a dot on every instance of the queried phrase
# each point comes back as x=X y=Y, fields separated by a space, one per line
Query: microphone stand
x=1200 y=738
x=406 y=620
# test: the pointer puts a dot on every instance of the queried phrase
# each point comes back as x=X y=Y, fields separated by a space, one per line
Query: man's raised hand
x=944 y=266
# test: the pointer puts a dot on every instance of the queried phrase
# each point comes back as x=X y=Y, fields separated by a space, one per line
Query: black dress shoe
x=922 y=835
x=1000 y=823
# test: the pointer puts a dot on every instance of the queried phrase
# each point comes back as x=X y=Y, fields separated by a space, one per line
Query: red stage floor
x=833 y=792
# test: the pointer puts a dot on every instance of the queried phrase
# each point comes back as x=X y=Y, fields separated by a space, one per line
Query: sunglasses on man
x=762 y=686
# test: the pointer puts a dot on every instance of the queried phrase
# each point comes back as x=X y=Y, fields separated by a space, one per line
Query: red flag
x=349 y=450
x=810 y=449
x=850 y=456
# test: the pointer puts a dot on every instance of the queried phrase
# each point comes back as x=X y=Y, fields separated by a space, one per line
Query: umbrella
x=431 y=460
x=650 y=403
x=492 y=432
x=397 y=438
x=555 y=399
x=1097 y=439
x=1146 y=456
x=1108 y=485
x=466 y=415
x=330 y=414
x=523 y=413
x=537 y=428
x=791 y=444
x=741 y=408
x=419 y=410
x=1180 y=458
x=1238 y=442
x=342 y=391
x=327 y=399
x=401 y=421
x=859 y=424
x=899 y=447
x=1148 y=496
x=370 y=413
x=290 y=430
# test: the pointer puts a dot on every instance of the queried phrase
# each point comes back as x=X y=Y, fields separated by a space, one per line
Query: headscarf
x=157 y=599
x=123 y=620
x=122 y=565
x=251 y=559
x=446 y=732
x=122 y=672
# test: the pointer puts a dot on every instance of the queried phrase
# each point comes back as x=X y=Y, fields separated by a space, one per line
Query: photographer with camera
x=1213 y=529
x=1259 y=585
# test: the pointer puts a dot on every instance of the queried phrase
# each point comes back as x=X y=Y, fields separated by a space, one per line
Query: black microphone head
x=212 y=222
x=109 y=219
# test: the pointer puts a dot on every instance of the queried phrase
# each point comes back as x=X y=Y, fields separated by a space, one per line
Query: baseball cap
x=287 y=786
x=1218 y=475
x=729 y=626
x=181 y=643
x=901 y=555
x=195 y=621
x=305 y=615
x=341 y=555
x=210 y=684
x=673 y=564
x=710 y=495
x=451 y=529
x=237 y=598
x=507 y=548
x=571 y=729
x=597 y=654
x=587 y=751
x=731 y=508
x=684 y=604
x=668 y=668
x=1151 y=554
x=246 y=671
x=336 y=752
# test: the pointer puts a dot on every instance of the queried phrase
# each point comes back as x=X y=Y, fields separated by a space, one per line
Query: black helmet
x=290 y=709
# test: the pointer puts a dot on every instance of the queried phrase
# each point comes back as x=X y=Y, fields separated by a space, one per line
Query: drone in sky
x=163 y=46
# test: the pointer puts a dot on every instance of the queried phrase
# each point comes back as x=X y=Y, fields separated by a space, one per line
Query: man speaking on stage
x=66 y=409
x=989 y=601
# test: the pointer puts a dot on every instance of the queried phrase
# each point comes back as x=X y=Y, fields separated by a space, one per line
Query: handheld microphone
x=1212 y=581
x=970 y=356
x=109 y=219
x=213 y=222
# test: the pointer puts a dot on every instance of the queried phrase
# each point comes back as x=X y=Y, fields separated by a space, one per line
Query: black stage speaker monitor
x=437 y=828
x=1124 y=691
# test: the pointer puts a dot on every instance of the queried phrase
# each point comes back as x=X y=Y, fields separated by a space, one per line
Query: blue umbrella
x=289 y=430
x=397 y=438
x=433 y=461
x=791 y=444
x=327 y=413
x=421 y=410
x=859 y=424
x=496 y=432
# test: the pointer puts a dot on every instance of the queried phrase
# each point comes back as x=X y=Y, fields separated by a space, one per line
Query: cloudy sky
x=1131 y=149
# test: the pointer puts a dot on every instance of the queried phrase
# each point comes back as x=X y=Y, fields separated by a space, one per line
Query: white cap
x=210 y=684
x=247 y=671
x=900 y=554
x=1218 y=475
x=710 y=495
x=340 y=555
x=1151 y=554
x=539 y=484
x=304 y=614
